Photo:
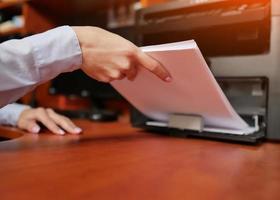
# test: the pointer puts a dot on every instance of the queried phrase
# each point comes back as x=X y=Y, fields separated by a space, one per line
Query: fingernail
x=77 y=130
x=168 y=79
x=61 y=132
x=35 y=129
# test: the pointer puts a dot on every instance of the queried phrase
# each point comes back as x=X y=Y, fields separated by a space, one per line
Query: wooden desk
x=115 y=161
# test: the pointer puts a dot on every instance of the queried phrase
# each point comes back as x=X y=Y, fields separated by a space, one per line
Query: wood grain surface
x=115 y=161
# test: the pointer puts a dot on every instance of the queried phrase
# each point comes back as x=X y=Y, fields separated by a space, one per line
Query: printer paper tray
x=251 y=138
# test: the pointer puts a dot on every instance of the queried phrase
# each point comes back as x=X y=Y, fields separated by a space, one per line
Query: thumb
x=32 y=127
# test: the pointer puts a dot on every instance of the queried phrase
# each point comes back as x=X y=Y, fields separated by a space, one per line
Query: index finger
x=153 y=66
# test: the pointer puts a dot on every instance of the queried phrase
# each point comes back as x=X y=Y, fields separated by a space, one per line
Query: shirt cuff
x=9 y=115
x=55 y=51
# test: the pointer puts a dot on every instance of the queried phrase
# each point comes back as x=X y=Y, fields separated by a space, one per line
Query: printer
x=240 y=41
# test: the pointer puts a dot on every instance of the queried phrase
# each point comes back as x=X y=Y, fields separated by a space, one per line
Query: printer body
x=240 y=41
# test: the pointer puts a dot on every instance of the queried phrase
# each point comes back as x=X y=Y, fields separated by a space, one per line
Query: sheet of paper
x=193 y=89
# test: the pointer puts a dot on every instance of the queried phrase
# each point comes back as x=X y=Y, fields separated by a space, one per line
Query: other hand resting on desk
x=27 y=118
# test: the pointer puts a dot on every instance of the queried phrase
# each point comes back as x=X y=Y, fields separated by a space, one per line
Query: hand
x=108 y=57
x=29 y=118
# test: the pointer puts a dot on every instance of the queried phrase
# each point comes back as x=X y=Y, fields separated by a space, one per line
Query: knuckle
x=116 y=75
x=130 y=52
x=126 y=65
x=109 y=80
x=40 y=110
x=113 y=75
x=66 y=119
x=105 y=79
x=98 y=77
x=67 y=123
x=50 y=123
x=49 y=110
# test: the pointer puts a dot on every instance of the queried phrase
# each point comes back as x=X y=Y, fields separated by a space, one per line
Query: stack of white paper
x=193 y=89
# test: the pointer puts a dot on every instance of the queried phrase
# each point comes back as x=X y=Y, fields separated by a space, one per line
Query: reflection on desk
x=115 y=161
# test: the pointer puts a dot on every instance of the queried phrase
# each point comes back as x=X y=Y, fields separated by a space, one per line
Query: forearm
x=30 y=61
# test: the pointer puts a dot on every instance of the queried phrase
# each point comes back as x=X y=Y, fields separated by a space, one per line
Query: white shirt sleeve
x=33 y=60
x=9 y=114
